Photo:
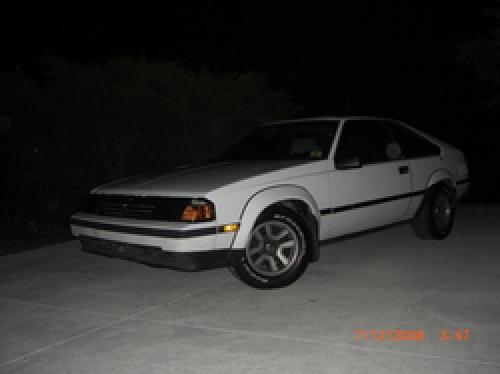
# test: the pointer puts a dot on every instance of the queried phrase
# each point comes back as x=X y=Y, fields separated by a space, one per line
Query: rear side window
x=412 y=144
x=365 y=139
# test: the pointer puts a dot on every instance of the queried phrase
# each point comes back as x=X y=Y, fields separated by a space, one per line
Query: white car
x=264 y=206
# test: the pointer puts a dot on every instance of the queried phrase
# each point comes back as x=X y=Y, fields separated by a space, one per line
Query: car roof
x=343 y=118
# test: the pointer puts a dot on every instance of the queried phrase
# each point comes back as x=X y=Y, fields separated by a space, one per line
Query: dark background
x=431 y=64
x=390 y=57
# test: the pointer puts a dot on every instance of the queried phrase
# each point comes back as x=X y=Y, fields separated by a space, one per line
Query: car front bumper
x=179 y=246
x=188 y=261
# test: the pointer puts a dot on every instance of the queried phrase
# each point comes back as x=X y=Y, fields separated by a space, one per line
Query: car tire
x=276 y=253
x=436 y=215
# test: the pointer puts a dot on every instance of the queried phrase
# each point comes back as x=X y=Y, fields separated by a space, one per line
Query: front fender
x=264 y=198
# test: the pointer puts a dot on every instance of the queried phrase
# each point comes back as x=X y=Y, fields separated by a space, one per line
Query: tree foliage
x=69 y=128
x=482 y=55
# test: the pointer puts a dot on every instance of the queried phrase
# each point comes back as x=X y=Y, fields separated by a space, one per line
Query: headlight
x=198 y=211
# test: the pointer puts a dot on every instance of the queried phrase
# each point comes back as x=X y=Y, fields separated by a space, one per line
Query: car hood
x=195 y=181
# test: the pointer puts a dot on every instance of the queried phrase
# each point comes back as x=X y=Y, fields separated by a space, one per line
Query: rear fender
x=441 y=175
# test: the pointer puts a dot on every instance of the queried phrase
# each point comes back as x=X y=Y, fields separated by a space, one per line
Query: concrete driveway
x=65 y=311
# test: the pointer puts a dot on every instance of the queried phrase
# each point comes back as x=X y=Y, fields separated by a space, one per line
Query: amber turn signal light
x=231 y=227
x=197 y=212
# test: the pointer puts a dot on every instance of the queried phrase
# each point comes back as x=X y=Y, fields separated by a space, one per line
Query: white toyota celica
x=263 y=207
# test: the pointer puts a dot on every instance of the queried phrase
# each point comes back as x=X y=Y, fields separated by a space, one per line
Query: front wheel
x=275 y=254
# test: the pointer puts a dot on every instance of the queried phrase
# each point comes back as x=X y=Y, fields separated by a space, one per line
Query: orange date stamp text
x=414 y=335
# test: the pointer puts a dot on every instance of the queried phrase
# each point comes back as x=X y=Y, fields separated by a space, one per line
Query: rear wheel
x=436 y=215
x=275 y=255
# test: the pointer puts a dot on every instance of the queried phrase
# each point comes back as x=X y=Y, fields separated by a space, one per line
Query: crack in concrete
x=320 y=342
x=106 y=325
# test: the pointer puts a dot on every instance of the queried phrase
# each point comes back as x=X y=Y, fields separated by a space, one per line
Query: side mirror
x=344 y=163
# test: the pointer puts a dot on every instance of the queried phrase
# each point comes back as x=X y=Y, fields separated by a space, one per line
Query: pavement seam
x=321 y=342
x=59 y=308
x=106 y=325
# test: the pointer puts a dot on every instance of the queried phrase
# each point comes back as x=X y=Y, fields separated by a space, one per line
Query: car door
x=370 y=182
x=422 y=155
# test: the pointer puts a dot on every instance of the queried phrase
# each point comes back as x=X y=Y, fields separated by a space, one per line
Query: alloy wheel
x=273 y=248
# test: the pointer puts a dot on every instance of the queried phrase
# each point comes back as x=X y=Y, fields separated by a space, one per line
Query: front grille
x=138 y=207
x=129 y=208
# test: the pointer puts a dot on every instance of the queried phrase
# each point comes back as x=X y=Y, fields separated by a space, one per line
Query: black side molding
x=366 y=203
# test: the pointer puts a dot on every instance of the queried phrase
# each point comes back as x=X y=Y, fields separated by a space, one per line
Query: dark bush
x=67 y=128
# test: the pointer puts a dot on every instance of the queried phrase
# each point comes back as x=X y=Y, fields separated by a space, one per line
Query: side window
x=368 y=140
x=412 y=144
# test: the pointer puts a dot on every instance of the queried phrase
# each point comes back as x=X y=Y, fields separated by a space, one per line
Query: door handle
x=403 y=169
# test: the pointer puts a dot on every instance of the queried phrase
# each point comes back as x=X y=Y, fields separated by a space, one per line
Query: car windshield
x=289 y=141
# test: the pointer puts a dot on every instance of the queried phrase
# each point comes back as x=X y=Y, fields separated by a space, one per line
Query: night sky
x=388 y=58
